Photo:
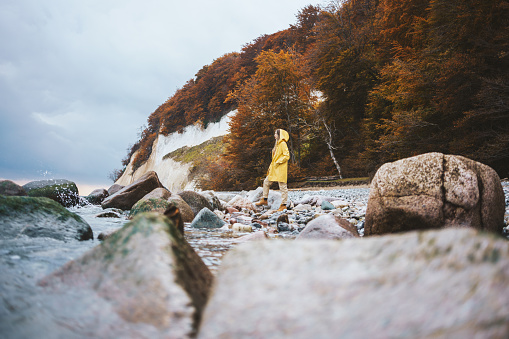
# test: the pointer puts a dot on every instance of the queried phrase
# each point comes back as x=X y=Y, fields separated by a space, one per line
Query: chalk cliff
x=174 y=175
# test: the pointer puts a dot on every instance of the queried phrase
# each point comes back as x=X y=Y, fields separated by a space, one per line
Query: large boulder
x=40 y=217
x=143 y=281
x=96 y=197
x=196 y=201
x=131 y=194
x=158 y=193
x=329 y=227
x=434 y=190
x=62 y=191
x=450 y=283
x=9 y=188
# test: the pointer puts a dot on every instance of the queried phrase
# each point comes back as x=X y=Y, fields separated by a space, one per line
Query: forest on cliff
x=356 y=83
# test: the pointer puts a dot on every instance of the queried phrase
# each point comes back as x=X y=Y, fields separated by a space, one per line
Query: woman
x=278 y=169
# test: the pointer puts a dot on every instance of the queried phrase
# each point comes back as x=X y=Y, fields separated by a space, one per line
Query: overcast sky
x=78 y=78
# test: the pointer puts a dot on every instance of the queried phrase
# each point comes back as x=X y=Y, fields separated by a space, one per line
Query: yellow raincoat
x=278 y=169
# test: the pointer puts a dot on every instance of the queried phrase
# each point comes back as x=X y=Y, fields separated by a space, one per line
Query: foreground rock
x=434 y=190
x=9 y=188
x=447 y=283
x=131 y=194
x=63 y=191
x=144 y=281
x=40 y=217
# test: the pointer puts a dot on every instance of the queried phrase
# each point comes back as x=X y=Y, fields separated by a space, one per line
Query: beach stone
x=329 y=227
x=40 y=218
x=434 y=190
x=9 y=188
x=143 y=281
x=131 y=194
x=213 y=200
x=255 y=236
x=238 y=227
x=63 y=191
x=196 y=201
x=239 y=202
x=449 y=283
x=109 y=214
x=96 y=197
x=326 y=206
x=207 y=219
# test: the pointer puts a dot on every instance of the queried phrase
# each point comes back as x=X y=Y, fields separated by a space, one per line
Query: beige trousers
x=283 y=187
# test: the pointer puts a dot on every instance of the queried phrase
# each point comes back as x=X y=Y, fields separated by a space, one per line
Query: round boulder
x=434 y=190
x=62 y=191
x=96 y=197
x=329 y=227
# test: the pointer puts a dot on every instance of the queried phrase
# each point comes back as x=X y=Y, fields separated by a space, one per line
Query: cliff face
x=174 y=175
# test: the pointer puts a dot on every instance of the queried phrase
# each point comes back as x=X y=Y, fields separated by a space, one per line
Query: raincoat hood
x=283 y=135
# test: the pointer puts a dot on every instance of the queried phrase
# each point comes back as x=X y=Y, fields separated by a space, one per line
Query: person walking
x=278 y=169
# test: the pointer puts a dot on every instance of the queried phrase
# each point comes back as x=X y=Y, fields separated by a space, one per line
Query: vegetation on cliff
x=356 y=84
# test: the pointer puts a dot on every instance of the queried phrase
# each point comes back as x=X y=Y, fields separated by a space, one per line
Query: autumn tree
x=275 y=97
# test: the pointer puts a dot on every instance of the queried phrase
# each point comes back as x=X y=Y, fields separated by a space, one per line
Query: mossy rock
x=10 y=188
x=40 y=217
x=62 y=191
x=149 y=205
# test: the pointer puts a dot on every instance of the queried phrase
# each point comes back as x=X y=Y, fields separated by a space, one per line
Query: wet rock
x=207 y=219
x=302 y=207
x=105 y=235
x=196 y=201
x=185 y=210
x=284 y=227
x=445 y=283
x=434 y=190
x=114 y=189
x=329 y=227
x=131 y=194
x=145 y=280
x=63 y=191
x=96 y=197
x=109 y=214
x=157 y=205
x=40 y=217
x=9 y=188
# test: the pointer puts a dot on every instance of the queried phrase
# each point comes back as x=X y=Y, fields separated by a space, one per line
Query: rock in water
x=207 y=219
x=9 y=188
x=449 y=283
x=434 y=190
x=131 y=194
x=96 y=197
x=144 y=280
x=40 y=217
x=62 y=191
